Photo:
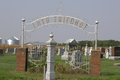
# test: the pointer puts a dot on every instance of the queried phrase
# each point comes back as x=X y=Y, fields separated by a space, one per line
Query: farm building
x=36 y=43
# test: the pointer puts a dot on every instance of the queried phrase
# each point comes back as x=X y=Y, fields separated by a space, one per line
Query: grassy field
x=8 y=72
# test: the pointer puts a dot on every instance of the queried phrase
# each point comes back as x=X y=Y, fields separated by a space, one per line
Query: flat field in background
x=8 y=72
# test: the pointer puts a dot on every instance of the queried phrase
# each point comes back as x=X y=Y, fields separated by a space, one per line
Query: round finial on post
x=96 y=21
x=23 y=19
x=51 y=35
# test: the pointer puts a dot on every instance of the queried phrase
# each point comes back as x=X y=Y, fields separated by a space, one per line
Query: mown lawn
x=8 y=72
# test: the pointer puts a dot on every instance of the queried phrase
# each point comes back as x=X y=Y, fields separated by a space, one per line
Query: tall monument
x=50 y=74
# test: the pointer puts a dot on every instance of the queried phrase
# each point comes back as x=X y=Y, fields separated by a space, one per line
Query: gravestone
x=110 y=50
x=102 y=51
x=76 y=58
x=35 y=56
x=91 y=48
x=9 y=50
x=117 y=64
x=1 y=52
x=70 y=43
x=86 y=50
x=115 y=53
x=15 y=50
x=61 y=51
x=107 y=53
x=65 y=55
x=30 y=49
x=39 y=48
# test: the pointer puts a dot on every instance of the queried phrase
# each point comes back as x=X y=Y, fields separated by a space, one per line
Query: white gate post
x=96 y=34
x=23 y=25
x=50 y=73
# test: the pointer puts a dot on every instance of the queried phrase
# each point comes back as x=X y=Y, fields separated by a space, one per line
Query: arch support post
x=23 y=26
x=96 y=34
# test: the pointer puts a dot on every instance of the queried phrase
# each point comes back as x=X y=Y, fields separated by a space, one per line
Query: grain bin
x=12 y=41
x=0 y=40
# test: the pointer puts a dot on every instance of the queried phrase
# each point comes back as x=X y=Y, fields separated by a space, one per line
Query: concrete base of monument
x=50 y=79
x=50 y=75
x=114 y=57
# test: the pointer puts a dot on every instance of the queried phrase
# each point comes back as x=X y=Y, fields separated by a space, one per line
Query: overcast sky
x=106 y=11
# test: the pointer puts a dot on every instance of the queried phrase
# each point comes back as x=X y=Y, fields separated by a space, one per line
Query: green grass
x=8 y=72
x=108 y=68
x=58 y=60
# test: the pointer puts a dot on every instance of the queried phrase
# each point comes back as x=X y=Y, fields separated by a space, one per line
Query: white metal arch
x=73 y=21
x=70 y=17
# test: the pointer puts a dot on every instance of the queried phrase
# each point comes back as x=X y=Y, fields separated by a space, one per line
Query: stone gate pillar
x=95 y=62
x=50 y=74
x=21 y=59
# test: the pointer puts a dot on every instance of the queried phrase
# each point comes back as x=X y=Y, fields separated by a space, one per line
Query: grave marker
x=1 y=51
x=86 y=50
x=50 y=74
x=110 y=50
x=107 y=53
x=9 y=50
x=76 y=58
x=102 y=51
x=115 y=53
x=90 y=51
x=35 y=56
x=61 y=51
x=15 y=50
x=65 y=55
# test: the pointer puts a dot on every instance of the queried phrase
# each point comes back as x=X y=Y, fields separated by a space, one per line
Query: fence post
x=44 y=72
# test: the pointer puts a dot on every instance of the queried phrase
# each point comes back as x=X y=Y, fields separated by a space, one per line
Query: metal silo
x=0 y=41
x=12 y=41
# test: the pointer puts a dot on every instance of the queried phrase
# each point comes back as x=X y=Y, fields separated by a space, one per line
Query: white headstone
x=86 y=50
x=15 y=50
x=61 y=51
x=9 y=50
x=107 y=53
x=90 y=51
x=76 y=58
x=110 y=50
x=65 y=55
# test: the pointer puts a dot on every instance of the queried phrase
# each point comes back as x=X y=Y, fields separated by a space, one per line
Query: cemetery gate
x=59 y=17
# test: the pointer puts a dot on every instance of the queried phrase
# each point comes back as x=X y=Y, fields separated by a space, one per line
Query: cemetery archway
x=59 y=18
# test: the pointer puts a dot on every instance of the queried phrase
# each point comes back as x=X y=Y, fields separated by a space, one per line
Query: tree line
x=100 y=43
